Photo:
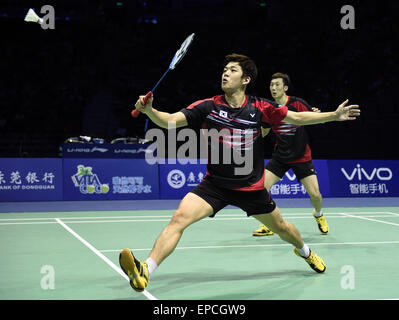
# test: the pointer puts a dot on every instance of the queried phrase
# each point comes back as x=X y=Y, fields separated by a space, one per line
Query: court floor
x=62 y=251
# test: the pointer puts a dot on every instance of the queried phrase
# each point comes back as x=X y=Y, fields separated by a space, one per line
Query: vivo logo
x=381 y=173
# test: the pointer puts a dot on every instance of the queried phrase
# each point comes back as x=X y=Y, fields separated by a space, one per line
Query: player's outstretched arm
x=160 y=118
x=343 y=113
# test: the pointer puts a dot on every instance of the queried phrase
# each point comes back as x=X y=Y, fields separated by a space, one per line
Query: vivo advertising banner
x=110 y=179
x=30 y=179
x=364 y=178
x=290 y=187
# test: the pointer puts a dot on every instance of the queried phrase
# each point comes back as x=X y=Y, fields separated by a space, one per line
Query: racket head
x=182 y=51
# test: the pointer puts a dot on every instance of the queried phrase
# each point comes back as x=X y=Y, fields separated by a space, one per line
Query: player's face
x=232 y=78
x=277 y=88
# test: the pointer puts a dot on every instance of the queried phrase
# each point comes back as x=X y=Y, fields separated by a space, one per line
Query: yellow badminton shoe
x=314 y=261
x=321 y=223
x=262 y=231
x=136 y=271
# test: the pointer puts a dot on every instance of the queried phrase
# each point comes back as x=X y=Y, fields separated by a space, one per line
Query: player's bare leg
x=191 y=209
x=270 y=180
x=286 y=230
x=289 y=233
x=311 y=186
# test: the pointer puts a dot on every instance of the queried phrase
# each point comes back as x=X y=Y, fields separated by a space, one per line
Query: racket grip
x=135 y=113
x=147 y=97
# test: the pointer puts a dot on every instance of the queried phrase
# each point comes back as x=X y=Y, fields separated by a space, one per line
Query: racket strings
x=182 y=51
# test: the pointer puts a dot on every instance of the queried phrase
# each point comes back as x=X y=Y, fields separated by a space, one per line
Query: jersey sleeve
x=301 y=105
x=272 y=113
x=197 y=112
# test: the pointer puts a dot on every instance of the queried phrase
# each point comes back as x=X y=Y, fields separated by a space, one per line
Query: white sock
x=318 y=214
x=152 y=265
x=305 y=251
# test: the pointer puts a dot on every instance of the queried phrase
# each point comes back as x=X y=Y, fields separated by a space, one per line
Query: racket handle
x=147 y=97
x=135 y=113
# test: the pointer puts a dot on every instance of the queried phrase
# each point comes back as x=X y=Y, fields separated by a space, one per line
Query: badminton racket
x=176 y=59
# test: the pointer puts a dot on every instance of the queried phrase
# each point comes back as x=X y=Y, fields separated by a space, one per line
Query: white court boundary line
x=373 y=220
x=266 y=245
x=118 y=219
x=99 y=254
x=219 y=216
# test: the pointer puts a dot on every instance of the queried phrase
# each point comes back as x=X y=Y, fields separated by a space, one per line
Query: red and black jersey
x=240 y=131
x=291 y=140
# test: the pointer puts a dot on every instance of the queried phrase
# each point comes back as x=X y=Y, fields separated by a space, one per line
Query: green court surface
x=74 y=255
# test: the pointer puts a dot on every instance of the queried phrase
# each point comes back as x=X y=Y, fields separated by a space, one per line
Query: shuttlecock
x=31 y=16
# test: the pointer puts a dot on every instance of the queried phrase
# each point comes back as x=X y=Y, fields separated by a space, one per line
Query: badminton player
x=292 y=151
x=234 y=110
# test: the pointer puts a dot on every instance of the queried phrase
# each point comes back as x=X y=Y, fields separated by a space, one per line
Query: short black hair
x=248 y=66
x=284 y=76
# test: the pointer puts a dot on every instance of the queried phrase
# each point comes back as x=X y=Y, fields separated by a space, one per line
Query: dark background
x=83 y=77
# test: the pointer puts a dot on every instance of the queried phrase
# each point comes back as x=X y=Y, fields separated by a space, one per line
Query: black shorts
x=252 y=202
x=301 y=169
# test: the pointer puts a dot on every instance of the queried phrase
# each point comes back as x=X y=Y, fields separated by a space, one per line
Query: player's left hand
x=344 y=112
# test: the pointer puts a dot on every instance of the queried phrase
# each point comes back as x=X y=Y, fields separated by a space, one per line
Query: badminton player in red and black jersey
x=292 y=151
x=235 y=112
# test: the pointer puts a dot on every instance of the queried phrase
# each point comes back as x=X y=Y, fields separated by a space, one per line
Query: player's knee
x=315 y=194
x=280 y=228
x=179 y=219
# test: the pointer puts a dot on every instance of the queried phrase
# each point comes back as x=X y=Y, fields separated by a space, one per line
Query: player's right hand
x=144 y=107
